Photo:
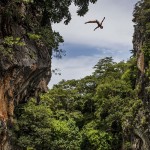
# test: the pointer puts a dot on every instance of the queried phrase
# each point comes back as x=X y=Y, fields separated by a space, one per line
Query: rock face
x=141 y=132
x=141 y=39
x=25 y=68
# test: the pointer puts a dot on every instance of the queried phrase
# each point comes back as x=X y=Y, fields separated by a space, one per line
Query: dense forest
x=90 y=113
x=108 y=110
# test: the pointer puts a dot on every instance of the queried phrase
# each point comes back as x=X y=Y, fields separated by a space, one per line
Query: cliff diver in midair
x=98 y=23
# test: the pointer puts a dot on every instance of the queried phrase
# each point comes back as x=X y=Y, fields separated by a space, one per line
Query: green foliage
x=53 y=42
x=28 y=1
x=56 y=11
x=34 y=36
x=7 y=45
x=40 y=128
x=95 y=139
x=5 y=51
x=91 y=113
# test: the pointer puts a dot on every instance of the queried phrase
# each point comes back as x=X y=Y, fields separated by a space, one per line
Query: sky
x=84 y=47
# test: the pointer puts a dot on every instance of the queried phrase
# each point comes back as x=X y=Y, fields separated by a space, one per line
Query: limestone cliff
x=141 y=45
x=25 y=63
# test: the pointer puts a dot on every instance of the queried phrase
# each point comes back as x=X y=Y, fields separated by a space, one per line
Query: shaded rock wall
x=141 y=131
x=25 y=71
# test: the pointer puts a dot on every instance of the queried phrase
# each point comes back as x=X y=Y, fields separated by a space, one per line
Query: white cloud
x=73 y=68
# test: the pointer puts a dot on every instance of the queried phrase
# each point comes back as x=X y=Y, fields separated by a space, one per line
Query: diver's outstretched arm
x=94 y=21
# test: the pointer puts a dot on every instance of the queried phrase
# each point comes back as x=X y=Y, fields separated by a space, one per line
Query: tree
x=107 y=68
x=38 y=127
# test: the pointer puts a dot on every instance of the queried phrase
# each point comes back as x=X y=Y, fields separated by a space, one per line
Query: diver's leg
x=96 y=28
